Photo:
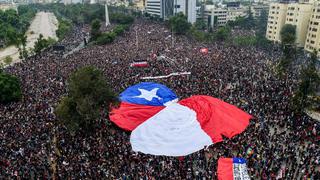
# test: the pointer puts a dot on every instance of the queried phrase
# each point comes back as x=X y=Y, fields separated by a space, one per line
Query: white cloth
x=174 y=131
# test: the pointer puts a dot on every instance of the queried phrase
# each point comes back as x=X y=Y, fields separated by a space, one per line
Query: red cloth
x=204 y=50
x=225 y=169
x=128 y=116
x=217 y=117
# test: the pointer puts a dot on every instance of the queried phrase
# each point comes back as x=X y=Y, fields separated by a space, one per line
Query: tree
x=119 y=29
x=198 y=35
x=106 y=38
x=63 y=28
x=7 y=60
x=200 y=24
x=309 y=82
x=95 y=29
x=88 y=92
x=9 y=88
x=250 y=21
x=179 y=23
x=288 y=37
x=262 y=28
x=121 y=18
x=222 y=33
x=288 y=34
x=42 y=43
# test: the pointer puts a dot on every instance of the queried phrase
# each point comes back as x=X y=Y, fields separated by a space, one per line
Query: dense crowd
x=276 y=143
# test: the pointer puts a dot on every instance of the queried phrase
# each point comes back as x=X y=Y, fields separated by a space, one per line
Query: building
x=5 y=6
x=153 y=7
x=304 y=15
x=167 y=8
x=258 y=8
x=233 y=13
x=288 y=1
x=276 y=20
x=299 y=15
x=313 y=34
x=215 y=16
x=235 y=4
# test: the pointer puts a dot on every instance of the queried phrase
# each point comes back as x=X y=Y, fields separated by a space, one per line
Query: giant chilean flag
x=162 y=125
x=232 y=169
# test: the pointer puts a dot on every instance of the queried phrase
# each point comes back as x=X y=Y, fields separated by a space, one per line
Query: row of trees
x=201 y=32
x=13 y=25
x=76 y=13
x=123 y=23
x=179 y=25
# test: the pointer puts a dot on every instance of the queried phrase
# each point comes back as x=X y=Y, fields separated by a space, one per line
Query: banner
x=232 y=169
x=166 y=76
x=139 y=64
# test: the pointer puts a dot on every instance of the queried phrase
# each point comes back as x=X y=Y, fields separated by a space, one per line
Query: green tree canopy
x=121 y=18
x=222 y=33
x=200 y=24
x=106 y=38
x=95 y=29
x=63 y=28
x=88 y=92
x=309 y=82
x=42 y=43
x=9 y=88
x=179 y=24
x=288 y=34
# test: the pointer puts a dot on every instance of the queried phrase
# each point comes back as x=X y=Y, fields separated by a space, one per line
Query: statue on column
x=107 y=15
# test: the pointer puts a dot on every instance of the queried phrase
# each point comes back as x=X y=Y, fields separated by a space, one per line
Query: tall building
x=167 y=8
x=216 y=16
x=276 y=20
x=313 y=34
x=234 y=12
x=304 y=16
x=299 y=15
x=258 y=8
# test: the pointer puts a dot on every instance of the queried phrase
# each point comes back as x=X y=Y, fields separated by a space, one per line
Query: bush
x=9 y=88
x=106 y=38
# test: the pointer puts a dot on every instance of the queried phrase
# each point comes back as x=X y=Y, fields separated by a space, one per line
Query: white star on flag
x=148 y=95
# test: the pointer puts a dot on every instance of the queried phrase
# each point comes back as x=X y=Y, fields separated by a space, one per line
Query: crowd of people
x=277 y=143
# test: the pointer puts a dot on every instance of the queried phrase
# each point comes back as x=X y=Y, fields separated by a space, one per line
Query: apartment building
x=276 y=20
x=304 y=15
x=299 y=15
x=258 y=8
x=167 y=8
x=234 y=12
x=216 y=16
x=153 y=7
x=313 y=34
